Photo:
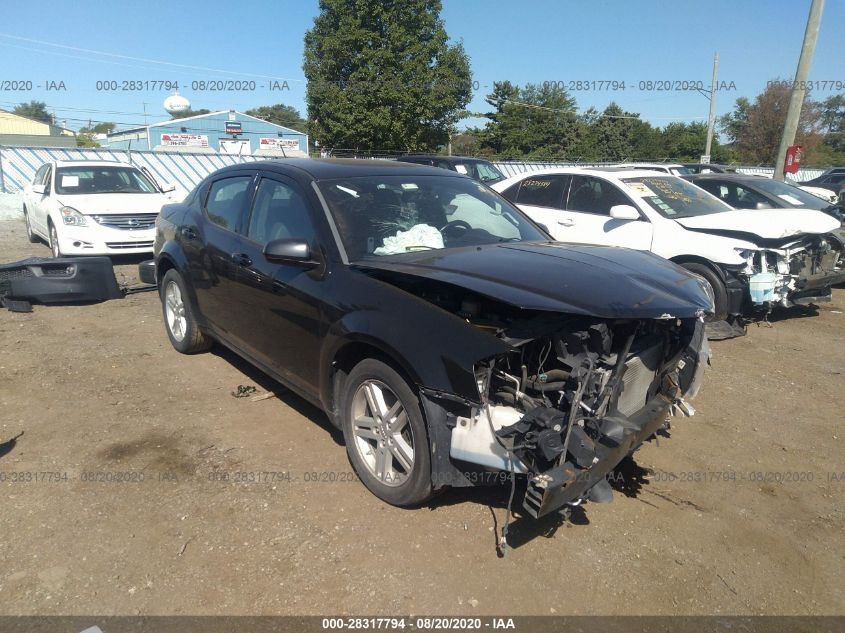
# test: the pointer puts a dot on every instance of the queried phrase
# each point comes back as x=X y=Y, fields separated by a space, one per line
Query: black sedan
x=758 y=192
x=437 y=326
x=476 y=168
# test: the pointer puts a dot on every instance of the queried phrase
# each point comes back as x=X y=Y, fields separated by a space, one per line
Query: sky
x=58 y=55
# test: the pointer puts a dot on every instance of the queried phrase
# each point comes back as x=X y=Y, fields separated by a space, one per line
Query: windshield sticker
x=70 y=181
x=641 y=190
x=791 y=199
x=461 y=169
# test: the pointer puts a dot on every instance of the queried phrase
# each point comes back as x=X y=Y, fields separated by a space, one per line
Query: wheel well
x=346 y=358
x=164 y=264
x=694 y=259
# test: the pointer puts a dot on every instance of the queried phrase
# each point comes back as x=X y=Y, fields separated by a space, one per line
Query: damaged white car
x=752 y=259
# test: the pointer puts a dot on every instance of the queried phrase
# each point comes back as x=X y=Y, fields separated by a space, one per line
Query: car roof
x=91 y=163
x=660 y=165
x=330 y=168
x=726 y=176
x=617 y=172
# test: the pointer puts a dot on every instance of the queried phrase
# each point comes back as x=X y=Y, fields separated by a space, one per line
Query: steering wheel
x=455 y=224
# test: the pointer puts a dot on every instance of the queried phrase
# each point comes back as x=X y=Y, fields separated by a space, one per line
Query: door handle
x=566 y=222
x=188 y=233
x=241 y=259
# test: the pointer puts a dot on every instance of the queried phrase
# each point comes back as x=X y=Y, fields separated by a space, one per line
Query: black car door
x=210 y=240
x=278 y=319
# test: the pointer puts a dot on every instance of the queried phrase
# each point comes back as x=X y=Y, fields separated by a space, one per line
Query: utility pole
x=796 y=99
x=712 y=118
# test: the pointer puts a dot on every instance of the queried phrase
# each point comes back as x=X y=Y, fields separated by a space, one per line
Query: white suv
x=93 y=208
x=749 y=257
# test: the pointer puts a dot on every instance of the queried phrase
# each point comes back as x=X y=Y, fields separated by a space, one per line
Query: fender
x=408 y=341
x=673 y=241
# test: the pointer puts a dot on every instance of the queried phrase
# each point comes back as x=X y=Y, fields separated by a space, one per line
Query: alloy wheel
x=383 y=436
x=174 y=309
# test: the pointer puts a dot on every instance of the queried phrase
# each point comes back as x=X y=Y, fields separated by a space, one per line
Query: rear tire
x=179 y=319
x=720 y=293
x=29 y=234
x=385 y=434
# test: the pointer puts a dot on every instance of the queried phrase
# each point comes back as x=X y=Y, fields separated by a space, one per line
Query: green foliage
x=35 y=110
x=86 y=140
x=100 y=128
x=280 y=114
x=382 y=75
x=184 y=114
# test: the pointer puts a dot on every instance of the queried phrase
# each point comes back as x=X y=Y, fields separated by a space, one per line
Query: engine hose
x=546 y=386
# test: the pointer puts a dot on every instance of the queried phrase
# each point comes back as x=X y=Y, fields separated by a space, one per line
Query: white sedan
x=93 y=208
x=748 y=257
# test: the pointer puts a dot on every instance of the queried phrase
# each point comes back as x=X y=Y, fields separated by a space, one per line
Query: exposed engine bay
x=573 y=396
x=795 y=272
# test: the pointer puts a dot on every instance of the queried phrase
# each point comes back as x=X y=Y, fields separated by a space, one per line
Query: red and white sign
x=793 y=159
x=185 y=140
x=278 y=143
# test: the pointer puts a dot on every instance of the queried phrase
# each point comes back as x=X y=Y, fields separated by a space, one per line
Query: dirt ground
x=142 y=486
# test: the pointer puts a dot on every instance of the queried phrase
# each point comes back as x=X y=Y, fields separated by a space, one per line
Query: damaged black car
x=442 y=330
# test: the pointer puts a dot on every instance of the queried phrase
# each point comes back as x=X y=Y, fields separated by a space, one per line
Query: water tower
x=176 y=103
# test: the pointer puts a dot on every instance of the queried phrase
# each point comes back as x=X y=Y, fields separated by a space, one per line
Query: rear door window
x=544 y=191
x=226 y=201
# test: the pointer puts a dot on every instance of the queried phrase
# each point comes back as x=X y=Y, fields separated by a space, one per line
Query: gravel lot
x=115 y=500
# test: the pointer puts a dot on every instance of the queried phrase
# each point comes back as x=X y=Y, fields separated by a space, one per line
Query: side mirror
x=624 y=212
x=544 y=227
x=293 y=252
x=168 y=187
x=39 y=189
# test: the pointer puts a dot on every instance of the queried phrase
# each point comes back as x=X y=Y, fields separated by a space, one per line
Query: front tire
x=179 y=319
x=385 y=434
x=54 y=241
x=720 y=293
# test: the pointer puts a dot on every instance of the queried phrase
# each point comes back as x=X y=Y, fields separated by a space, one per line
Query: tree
x=382 y=75
x=733 y=123
x=184 y=114
x=280 y=114
x=104 y=127
x=759 y=126
x=35 y=110
x=537 y=121
x=611 y=134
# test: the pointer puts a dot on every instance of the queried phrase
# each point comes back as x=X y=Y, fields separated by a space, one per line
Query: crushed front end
x=574 y=397
x=799 y=271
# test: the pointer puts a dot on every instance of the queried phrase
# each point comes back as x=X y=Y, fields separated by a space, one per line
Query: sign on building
x=185 y=140
x=234 y=127
x=278 y=143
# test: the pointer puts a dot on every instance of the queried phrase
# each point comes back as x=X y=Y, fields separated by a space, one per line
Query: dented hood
x=601 y=281
x=768 y=224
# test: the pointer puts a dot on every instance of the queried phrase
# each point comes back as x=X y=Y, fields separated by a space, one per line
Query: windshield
x=680 y=171
x=483 y=172
x=87 y=180
x=791 y=195
x=674 y=198
x=389 y=215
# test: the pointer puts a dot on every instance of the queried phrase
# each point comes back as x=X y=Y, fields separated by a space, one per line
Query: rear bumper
x=147 y=271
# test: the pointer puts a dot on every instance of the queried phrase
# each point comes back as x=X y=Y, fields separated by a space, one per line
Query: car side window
x=511 y=192
x=226 y=200
x=593 y=195
x=747 y=199
x=543 y=191
x=48 y=176
x=279 y=212
x=716 y=187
